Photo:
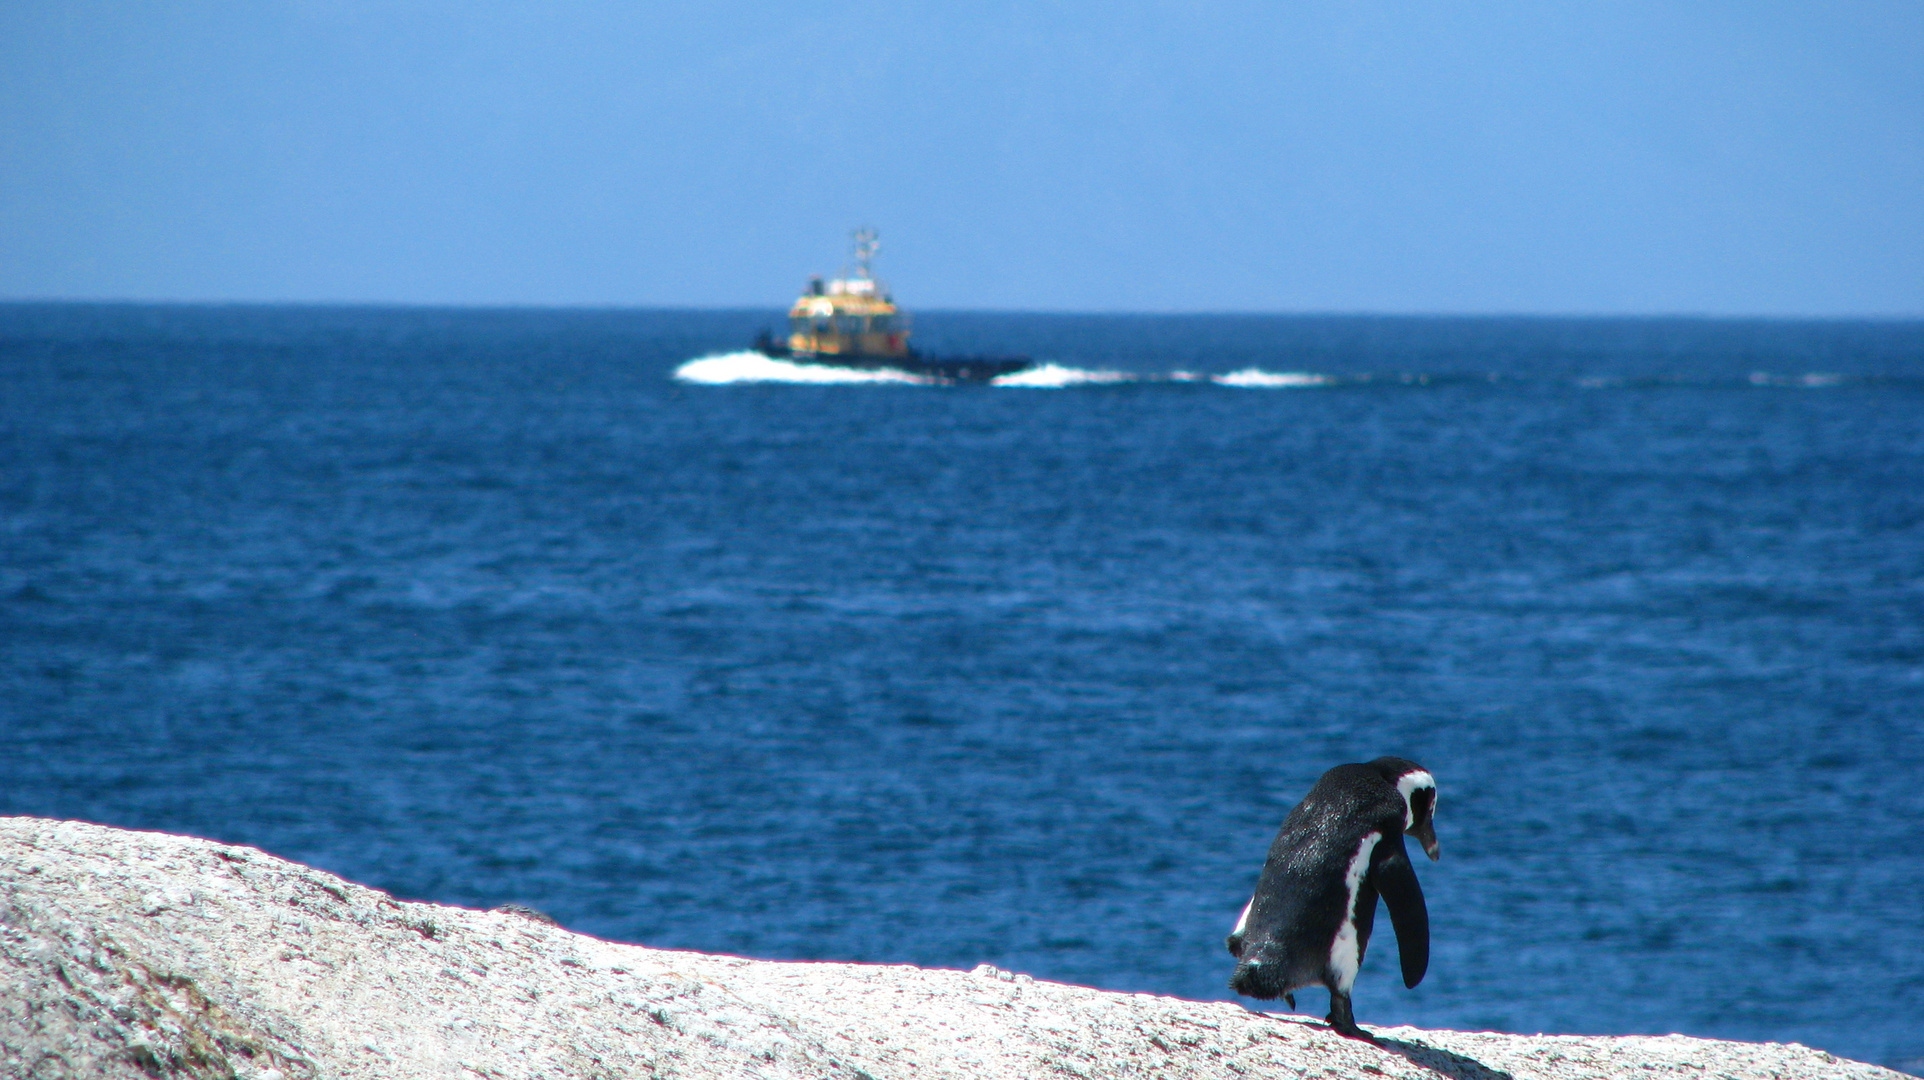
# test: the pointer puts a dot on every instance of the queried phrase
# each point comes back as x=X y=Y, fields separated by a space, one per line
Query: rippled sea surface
x=487 y=606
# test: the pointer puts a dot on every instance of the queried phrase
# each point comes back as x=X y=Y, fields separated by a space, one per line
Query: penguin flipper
x=1395 y=880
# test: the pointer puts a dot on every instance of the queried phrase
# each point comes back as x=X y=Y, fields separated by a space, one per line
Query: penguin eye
x=1422 y=804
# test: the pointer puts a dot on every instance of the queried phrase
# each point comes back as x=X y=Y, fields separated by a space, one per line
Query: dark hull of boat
x=947 y=369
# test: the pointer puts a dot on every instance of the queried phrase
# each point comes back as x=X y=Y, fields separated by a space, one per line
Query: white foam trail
x=749 y=366
x=1812 y=379
x=1258 y=378
x=1052 y=376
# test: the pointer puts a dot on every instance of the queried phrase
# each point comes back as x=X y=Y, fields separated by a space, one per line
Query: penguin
x=1342 y=847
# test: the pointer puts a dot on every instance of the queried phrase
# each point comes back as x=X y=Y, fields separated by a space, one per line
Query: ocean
x=490 y=606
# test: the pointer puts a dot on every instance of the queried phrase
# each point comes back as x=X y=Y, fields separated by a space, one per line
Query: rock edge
x=138 y=955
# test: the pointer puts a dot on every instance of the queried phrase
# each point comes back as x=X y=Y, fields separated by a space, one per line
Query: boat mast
x=867 y=241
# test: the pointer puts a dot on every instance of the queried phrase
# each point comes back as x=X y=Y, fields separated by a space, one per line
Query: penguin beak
x=1426 y=834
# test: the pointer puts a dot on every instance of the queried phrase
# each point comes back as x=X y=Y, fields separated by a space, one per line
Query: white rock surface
x=127 y=954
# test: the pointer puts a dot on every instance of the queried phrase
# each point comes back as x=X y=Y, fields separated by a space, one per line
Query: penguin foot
x=1351 y=1031
x=1343 y=1021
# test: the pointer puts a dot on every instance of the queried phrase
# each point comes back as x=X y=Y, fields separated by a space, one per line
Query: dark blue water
x=483 y=606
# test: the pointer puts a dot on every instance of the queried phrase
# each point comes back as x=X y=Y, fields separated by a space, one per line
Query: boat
x=852 y=322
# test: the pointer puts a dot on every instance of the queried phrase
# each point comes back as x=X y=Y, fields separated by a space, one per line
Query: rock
x=126 y=954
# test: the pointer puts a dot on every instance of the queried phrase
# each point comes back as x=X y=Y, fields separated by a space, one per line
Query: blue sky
x=1125 y=156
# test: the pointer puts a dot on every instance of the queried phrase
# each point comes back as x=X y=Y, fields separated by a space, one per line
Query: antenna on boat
x=867 y=241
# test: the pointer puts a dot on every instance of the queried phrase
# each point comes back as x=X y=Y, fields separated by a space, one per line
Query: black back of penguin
x=1310 y=918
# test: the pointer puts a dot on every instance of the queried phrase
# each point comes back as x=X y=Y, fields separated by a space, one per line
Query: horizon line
x=1305 y=313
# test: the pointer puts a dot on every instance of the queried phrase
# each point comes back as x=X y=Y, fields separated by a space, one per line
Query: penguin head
x=1418 y=789
x=1264 y=974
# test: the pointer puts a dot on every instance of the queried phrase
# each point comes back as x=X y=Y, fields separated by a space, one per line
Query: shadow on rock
x=1449 y=1064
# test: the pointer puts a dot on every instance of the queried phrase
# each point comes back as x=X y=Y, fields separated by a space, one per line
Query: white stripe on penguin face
x=1244 y=919
x=1409 y=784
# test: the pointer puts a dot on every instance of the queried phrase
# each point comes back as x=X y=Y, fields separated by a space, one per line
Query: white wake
x=749 y=366
x=1054 y=376
x=1257 y=378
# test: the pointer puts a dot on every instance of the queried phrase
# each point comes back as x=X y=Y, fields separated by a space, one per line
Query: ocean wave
x=749 y=366
x=1809 y=380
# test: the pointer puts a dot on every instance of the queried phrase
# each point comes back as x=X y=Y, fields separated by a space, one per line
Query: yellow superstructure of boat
x=849 y=316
